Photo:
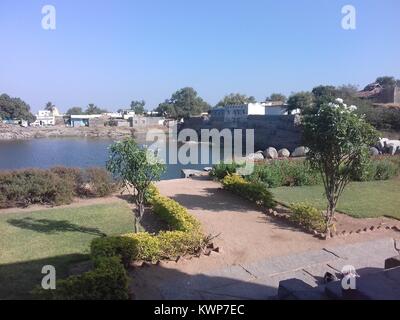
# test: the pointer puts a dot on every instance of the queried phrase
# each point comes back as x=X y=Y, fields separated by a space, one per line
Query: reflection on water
x=71 y=152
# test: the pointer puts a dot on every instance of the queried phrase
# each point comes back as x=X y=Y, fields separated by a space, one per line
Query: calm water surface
x=71 y=152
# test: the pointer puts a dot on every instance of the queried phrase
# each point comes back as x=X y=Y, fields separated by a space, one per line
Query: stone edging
x=343 y=233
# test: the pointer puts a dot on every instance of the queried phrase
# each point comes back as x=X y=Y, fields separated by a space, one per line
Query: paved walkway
x=257 y=251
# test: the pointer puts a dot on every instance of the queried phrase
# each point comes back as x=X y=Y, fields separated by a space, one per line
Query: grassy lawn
x=58 y=237
x=360 y=199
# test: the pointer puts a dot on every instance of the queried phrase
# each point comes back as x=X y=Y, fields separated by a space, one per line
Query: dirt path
x=246 y=235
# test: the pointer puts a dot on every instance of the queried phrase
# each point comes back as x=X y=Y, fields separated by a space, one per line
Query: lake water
x=70 y=152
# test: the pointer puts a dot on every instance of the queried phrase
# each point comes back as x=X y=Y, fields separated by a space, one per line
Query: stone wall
x=269 y=131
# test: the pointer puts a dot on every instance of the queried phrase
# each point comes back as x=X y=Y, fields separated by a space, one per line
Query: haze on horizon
x=111 y=52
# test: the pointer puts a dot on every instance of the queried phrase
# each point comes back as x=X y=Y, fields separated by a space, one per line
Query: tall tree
x=386 y=81
x=236 y=99
x=183 y=103
x=14 y=109
x=339 y=141
x=49 y=106
x=137 y=168
x=93 y=109
x=138 y=106
x=325 y=93
x=300 y=100
x=75 y=110
x=277 y=97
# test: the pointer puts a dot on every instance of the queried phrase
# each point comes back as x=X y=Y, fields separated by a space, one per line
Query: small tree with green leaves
x=137 y=168
x=339 y=140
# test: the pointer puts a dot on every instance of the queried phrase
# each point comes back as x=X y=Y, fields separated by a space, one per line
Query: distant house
x=378 y=94
x=83 y=120
x=44 y=118
x=142 y=121
x=278 y=108
x=235 y=113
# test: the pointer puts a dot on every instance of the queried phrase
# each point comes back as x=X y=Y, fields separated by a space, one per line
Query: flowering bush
x=339 y=141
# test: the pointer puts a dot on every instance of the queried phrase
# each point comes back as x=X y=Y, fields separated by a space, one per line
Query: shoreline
x=15 y=133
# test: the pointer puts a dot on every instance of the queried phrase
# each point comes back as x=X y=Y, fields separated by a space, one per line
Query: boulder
x=300 y=152
x=391 y=146
x=255 y=156
x=373 y=151
x=270 y=153
x=283 y=153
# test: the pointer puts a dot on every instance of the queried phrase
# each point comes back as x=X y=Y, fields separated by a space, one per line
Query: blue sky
x=111 y=52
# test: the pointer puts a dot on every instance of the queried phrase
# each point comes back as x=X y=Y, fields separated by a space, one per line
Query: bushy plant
x=107 y=281
x=253 y=191
x=179 y=243
x=382 y=168
x=175 y=215
x=123 y=247
x=219 y=171
x=146 y=246
x=308 y=217
x=100 y=182
x=279 y=173
x=54 y=186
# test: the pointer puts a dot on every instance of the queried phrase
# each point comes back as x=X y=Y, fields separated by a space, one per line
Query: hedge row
x=107 y=281
x=279 y=173
x=54 y=186
x=185 y=236
x=255 y=192
x=111 y=255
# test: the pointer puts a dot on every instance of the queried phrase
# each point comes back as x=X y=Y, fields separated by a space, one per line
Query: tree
x=277 y=97
x=15 y=109
x=75 y=110
x=93 y=109
x=339 y=141
x=386 y=82
x=49 y=106
x=347 y=91
x=300 y=100
x=137 y=168
x=236 y=99
x=183 y=103
x=138 y=106
x=325 y=93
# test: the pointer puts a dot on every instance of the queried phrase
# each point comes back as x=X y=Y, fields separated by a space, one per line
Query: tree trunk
x=330 y=213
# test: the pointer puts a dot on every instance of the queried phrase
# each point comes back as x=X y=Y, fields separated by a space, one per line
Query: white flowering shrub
x=339 y=141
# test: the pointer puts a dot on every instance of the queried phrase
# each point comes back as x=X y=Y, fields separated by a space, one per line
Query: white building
x=44 y=118
x=278 y=109
x=232 y=113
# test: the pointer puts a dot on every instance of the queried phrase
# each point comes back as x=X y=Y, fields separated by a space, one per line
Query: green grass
x=58 y=237
x=360 y=199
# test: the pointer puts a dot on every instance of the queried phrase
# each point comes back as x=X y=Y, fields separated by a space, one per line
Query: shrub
x=383 y=168
x=253 y=191
x=100 y=182
x=146 y=246
x=178 y=243
x=54 y=186
x=107 y=281
x=175 y=215
x=307 y=216
x=122 y=247
x=219 y=171
x=25 y=187
x=285 y=173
